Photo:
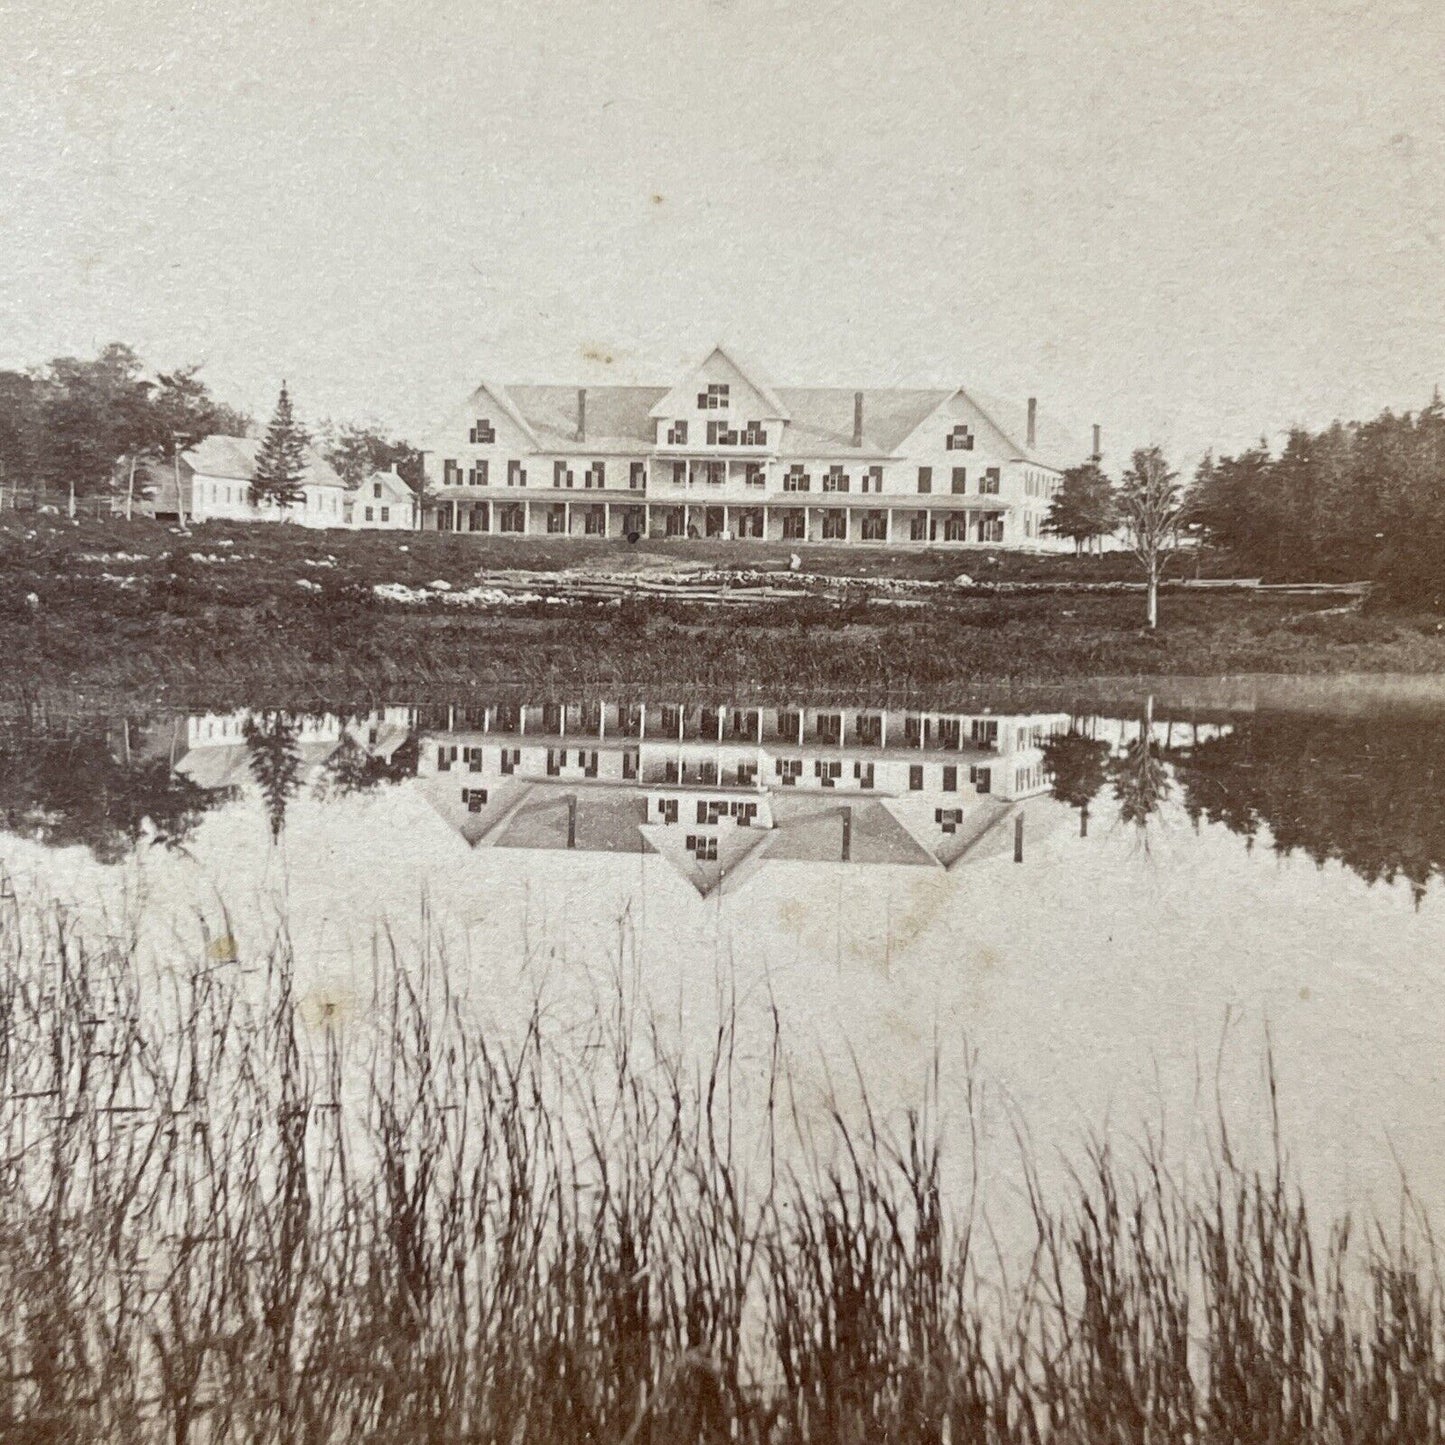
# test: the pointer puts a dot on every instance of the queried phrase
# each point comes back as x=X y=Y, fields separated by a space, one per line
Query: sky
x=1193 y=223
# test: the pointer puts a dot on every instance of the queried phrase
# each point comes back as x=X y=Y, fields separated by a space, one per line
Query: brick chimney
x=1033 y=422
x=857 y=418
x=1098 y=449
x=581 y=413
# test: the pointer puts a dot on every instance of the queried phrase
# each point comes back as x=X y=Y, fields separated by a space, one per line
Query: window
x=873 y=479
x=385 y=513
x=702 y=847
x=594 y=521
x=510 y=759
x=869 y=730
x=796 y=479
x=368 y=514
x=716 y=473
x=960 y=439
x=789 y=770
x=477 y=476
x=637 y=476
x=753 y=474
x=915 y=777
x=875 y=527
x=556 y=519
x=795 y=526
x=475 y=799
x=516 y=475
x=925 y=479
x=715 y=398
x=950 y=778
x=960 y=480
x=981 y=778
x=596 y=475
x=835 y=526
x=482 y=433
x=918 y=527
x=990 y=527
x=375 y=489
x=667 y=809
x=720 y=434
x=827 y=771
x=555 y=761
x=948 y=818
x=955 y=529
x=836 y=480
x=445 y=758
x=677 y=434
x=451 y=473
x=863 y=772
x=988 y=483
x=754 y=435
x=561 y=476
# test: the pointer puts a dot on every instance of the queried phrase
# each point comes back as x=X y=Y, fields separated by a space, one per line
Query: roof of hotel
x=617 y=416
x=620 y=419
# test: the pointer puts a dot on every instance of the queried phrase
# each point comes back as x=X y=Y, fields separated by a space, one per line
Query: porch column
x=567 y=519
x=888 y=526
x=720 y=712
x=726 y=526
x=647 y=519
x=642 y=723
x=883 y=729
x=607 y=519
x=765 y=522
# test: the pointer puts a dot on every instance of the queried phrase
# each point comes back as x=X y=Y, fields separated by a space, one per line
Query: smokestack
x=581 y=413
x=857 y=418
x=1098 y=450
x=1033 y=421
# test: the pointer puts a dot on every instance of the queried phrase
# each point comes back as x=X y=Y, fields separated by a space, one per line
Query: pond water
x=1105 y=908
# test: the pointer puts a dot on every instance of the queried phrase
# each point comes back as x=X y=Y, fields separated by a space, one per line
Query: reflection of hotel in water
x=719 y=791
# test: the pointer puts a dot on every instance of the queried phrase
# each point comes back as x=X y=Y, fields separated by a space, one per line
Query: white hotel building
x=724 y=454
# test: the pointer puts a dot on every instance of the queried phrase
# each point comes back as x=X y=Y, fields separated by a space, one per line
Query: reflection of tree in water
x=71 y=791
x=1078 y=767
x=273 y=748
x=1369 y=794
x=352 y=769
x=1140 y=775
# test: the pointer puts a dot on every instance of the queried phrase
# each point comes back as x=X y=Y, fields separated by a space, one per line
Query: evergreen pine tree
x=281 y=462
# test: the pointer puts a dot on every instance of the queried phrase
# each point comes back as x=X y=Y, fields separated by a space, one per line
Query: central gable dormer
x=721 y=394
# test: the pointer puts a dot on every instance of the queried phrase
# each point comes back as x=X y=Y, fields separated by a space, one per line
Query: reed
x=223 y=1221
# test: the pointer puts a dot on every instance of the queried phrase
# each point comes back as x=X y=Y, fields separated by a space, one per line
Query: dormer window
x=796 y=479
x=715 y=398
x=482 y=433
x=960 y=439
x=677 y=434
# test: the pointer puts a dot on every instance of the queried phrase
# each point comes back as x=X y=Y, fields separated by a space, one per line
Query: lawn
x=232 y=612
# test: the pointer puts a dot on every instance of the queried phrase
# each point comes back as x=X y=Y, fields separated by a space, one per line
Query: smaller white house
x=384 y=502
x=211 y=481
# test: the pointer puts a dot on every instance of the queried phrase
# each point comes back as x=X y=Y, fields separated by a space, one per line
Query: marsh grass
x=225 y=1217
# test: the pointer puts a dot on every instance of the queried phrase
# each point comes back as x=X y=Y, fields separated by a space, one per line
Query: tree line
x=77 y=429
x=1356 y=501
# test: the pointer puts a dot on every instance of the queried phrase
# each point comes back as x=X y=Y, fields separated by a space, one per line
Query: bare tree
x=1152 y=508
